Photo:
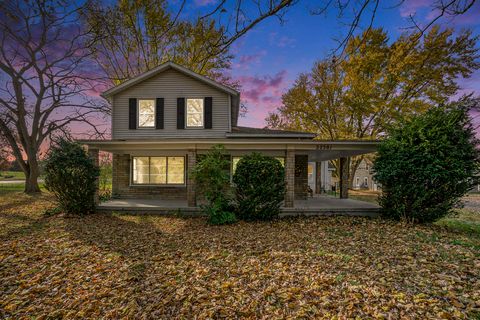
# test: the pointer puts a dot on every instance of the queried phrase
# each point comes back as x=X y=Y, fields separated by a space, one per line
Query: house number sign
x=324 y=147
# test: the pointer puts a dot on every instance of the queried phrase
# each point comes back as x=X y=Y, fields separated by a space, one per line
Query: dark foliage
x=212 y=180
x=70 y=174
x=428 y=163
x=260 y=187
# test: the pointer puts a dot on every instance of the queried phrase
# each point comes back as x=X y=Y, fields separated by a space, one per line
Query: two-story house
x=363 y=178
x=163 y=119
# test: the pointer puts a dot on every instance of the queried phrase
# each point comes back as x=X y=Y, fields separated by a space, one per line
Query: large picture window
x=158 y=170
x=146 y=113
x=194 y=113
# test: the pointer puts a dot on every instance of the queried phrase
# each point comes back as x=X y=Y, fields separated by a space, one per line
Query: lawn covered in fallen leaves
x=112 y=266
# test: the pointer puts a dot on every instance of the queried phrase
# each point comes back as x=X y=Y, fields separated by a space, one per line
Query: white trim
x=270 y=135
x=229 y=113
x=162 y=68
x=323 y=147
x=226 y=141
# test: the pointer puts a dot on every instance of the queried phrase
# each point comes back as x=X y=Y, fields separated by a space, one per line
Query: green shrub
x=70 y=174
x=427 y=164
x=260 y=187
x=212 y=180
x=219 y=212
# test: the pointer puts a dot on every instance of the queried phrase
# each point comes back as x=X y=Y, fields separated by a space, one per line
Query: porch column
x=290 y=178
x=318 y=177
x=191 y=195
x=344 y=169
x=94 y=154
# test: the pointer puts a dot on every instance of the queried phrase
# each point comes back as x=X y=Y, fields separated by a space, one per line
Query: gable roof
x=161 y=68
x=249 y=132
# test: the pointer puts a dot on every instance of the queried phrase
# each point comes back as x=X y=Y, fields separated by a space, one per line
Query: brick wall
x=301 y=177
x=191 y=195
x=296 y=176
x=122 y=189
x=289 y=177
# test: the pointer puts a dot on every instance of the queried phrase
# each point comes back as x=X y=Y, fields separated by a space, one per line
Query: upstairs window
x=146 y=113
x=194 y=113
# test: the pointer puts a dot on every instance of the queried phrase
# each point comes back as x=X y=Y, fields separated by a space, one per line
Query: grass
x=11 y=175
x=462 y=220
x=364 y=195
x=136 y=266
x=9 y=188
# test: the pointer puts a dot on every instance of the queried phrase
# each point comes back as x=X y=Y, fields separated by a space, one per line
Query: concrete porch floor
x=318 y=205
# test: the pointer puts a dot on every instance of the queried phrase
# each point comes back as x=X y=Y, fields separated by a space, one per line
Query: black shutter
x=159 y=113
x=208 y=113
x=180 y=113
x=132 y=113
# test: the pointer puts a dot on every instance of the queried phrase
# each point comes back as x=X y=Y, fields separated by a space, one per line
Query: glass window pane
x=146 y=113
x=194 y=112
x=195 y=105
x=176 y=170
x=140 y=170
x=195 y=120
x=158 y=170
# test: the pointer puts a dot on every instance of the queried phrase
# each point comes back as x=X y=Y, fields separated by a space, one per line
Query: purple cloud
x=203 y=3
x=253 y=58
x=281 y=41
x=410 y=7
x=262 y=94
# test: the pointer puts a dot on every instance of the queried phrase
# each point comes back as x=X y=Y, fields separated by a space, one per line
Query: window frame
x=154 y=113
x=166 y=184
x=202 y=113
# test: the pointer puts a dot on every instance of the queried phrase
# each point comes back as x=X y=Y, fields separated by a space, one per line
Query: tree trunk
x=31 y=177
x=354 y=163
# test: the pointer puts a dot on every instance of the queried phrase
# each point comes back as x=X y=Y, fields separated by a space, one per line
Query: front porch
x=133 y=194
x=317 y=205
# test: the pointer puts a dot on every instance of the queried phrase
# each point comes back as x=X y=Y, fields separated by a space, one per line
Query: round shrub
x=427 y=164
x=260 y=187
x=70 y=174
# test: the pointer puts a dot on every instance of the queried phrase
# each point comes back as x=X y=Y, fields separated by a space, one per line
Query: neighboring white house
x=363 y=178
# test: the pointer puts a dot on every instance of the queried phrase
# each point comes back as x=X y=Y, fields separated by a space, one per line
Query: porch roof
x=317 y=150
x=249 y=132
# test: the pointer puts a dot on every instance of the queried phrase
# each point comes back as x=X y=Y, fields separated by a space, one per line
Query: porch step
x=357 y=212
x=285 y=212
x=185 y=211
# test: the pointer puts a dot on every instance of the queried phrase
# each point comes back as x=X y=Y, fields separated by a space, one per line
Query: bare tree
x=4 y=154
x=133 y=37
x=44 y=77
x=359 y=16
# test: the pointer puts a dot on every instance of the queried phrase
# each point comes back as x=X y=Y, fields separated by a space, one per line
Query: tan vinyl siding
x=170 y=85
